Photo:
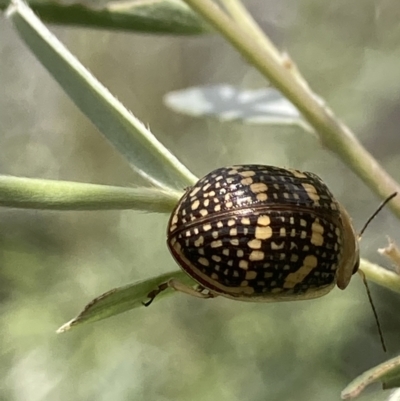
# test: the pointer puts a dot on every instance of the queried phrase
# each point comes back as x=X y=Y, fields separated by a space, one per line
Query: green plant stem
x=242 y=17
x=283 y=74
x=380 y=275
x=34 y=193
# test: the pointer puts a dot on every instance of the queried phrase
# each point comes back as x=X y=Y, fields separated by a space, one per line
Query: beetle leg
x=178 y=286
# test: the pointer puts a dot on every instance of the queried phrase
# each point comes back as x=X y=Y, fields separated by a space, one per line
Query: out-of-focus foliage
x=145 y=16
x=52 y=263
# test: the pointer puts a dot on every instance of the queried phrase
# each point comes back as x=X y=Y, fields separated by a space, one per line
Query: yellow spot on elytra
x=258 y=187
x=234 y=241
x=256 y=255
x=233 y=232
x=231 y=222
x=254 y=244
x=215 y=234
x=194 y=192
x=240 y=253
x=303 y=235
x=216 y=258
x=263 y=232
x=245 y=221
x=203 y=212
x=214 y=276
x=244 y=283
x=204 y=262
x=207 y=227
x=251 y=275
x=246 y=181
x=303 y=223
x=216 y=244
x=297 y=173
x=317 y=237
x=311 y=192
x=195 y=204
x=294 y=258
x=174 y=219
x=275 y=246
x=244 y=264
x=262 y=197
x=248 y=173
x=282 y=232
x=199 y=242
x=220 y=224
x=268 y=275
x=225 y=252
x=264 y=221
x=310 y=262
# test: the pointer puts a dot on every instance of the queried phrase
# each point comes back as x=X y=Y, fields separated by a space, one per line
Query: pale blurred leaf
x=228 y=103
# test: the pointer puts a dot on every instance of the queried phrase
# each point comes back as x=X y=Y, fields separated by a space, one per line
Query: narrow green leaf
x=228 y=103
x=122 y=299
x=149 y=16
x=29 y=193
x=387 y=373
x=129 y=136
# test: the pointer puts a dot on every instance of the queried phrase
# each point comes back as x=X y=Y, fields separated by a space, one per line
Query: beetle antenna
x=380 y=207
x=364 y=279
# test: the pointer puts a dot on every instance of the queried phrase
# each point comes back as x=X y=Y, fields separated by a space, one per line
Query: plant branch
x=380 y=275
x=283 y=74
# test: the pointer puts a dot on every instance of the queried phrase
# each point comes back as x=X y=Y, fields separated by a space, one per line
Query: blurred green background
x=53 y=263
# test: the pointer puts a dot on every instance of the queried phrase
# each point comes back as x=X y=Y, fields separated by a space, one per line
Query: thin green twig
x=283 y=74
x=380 y=275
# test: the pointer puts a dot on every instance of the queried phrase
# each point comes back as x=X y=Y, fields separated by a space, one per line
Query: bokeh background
x=53 y=263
